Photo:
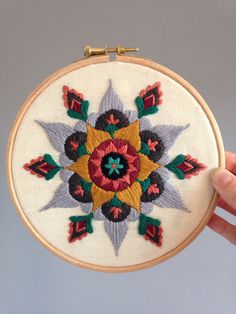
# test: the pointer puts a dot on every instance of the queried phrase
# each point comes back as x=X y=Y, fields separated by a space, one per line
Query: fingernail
x=221 y=177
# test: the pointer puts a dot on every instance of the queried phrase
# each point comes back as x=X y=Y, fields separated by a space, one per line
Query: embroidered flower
x=114 y=165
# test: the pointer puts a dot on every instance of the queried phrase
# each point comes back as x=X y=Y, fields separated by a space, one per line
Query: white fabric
x=178 y=108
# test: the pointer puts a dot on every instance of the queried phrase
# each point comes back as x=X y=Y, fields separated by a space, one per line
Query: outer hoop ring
x=83 y=63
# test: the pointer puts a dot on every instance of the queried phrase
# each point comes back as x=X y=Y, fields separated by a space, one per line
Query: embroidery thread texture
x=114 y=165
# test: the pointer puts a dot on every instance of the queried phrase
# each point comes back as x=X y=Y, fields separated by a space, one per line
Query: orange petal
x=131 y=195
x=96 y=162
x=126 y=178
x=81 y=167
x=95 y=137
x=98 y=172
x=115 y=184
x=111 y=148
x=104 y=180
x=123 y=149
x=130 y=134
x=100 y=196
x=131 y=168
x=146 y=167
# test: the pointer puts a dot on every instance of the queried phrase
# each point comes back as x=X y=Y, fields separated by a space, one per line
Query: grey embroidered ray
x=86 y=207
x=81 y=126
x=146 y=207
x=116 y=232
x=110 y=100
x=170 y=198
x=145 y=124
x=65 y=175
x=92 y=118
x=164 y=173
x=61 y=198
x=64 y=160
x=133 y=216
x=169 y=133
x=57 y=133
x=164 y=159
x=131 y=115
x=98 y=215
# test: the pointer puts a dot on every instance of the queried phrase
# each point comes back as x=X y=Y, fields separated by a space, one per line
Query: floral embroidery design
x=114 y=165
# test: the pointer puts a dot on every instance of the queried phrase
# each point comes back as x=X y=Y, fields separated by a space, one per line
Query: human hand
x=224 y=182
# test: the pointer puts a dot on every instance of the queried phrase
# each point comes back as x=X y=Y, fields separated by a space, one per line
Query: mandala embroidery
x=114 y=165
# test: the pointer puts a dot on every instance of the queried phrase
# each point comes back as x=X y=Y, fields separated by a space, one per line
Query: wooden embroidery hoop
x=83 y=63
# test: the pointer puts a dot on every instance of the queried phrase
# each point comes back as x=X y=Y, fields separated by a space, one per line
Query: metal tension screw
x=91 y=51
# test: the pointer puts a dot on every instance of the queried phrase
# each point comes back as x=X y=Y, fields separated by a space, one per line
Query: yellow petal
x=130 y=134
x=146 y=167
x=100 y=196
x=95 y=137
x=131 y=195
x=81 y=167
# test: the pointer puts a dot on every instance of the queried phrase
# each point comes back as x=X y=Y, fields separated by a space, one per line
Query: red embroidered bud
x=74 y=101
x=43 y=167
x=151 y=229
x=80 y=226
x=185 y=166
x=149 y=99
x=153 y=234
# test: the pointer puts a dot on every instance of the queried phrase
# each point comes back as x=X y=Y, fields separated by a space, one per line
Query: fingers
x=224 y=228
x=230 y=160
x=223 y=204
x=231 y=166
x=224 y=181
x=225 y=184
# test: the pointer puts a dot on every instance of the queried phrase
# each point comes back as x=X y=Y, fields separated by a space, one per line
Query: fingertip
x=223 y=228
x=221 y=177
x=212 y=221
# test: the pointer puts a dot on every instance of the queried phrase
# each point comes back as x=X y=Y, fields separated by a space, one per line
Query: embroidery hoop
x=84 y=63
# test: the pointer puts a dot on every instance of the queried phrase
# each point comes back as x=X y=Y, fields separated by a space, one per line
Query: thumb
x=225 y=184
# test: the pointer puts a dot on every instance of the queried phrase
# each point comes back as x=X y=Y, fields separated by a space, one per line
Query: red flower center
x=126 y=165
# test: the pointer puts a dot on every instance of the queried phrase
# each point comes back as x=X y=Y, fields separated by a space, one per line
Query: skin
x=224 y=181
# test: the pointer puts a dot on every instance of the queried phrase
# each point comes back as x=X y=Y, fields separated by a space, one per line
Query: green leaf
x=82 y=150
x=144 y=149
x=116 y=202
x=86 y=186
x=73 y=114
x=48 y=158
x=139 y=104
x=145 y=184
x=172 y=166
x=111 y=128
x=144 y=112
x=52 y=173
x=84 y=108
x=143 y=220
x=179 y=173
x=88 y=218
x=150 y=110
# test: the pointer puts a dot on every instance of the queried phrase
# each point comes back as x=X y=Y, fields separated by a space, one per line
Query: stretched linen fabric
x=126 y=153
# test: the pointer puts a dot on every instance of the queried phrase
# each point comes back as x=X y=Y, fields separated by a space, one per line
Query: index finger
x=223 y=227
x=230 y=162
x=230 y=159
